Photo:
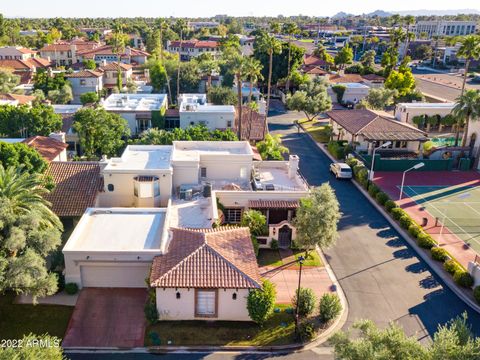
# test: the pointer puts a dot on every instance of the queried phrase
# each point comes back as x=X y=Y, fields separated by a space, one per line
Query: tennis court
x=456 y=207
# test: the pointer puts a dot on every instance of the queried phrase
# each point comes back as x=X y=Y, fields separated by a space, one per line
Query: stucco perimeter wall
x=171 y=308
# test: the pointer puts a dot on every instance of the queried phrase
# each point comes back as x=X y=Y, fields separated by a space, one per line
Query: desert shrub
x=71 y=288
x=397 y=213
x=381 y=198
x=405 y=221
x=463 y=278
x=451 y=266
x=373 y=190
x=330 y=307
x=274 y=244
x=439 y=254
x=414 y=230
x=306 y=301
x=390 y=205
x=307 y=331
x=425 y=241
x=476 y=294
x=356 y=169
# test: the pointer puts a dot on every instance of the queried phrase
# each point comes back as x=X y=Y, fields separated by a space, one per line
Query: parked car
x=341 y=170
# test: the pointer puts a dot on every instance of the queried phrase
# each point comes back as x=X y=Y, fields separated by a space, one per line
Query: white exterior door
x=115 y=275
x=206 y=303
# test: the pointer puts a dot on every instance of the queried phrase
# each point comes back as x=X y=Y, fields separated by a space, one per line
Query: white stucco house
x=405 y=112
x=194 y=110
x=354 y=92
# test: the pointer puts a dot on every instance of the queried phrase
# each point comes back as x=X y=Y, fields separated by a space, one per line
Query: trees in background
x=317 y=218
x=320 y=51
x=100 y=132
x=207 y=66
x=192 y=133
x=18 y=155
x=89 y=64
x=44 y=81
x=158 y=75
x=311 y=98
x=221 y=95
x=466 y=109
x=34 y=347
x=25 y=121
x=422 y=52
x=469 y=50
x=289 y=29
x=89 y=98
x=8 y=81
x=271 y=148
x=344 y=57
x=61 y=96
x=402 y=79
x=368 y=59
x=379 y=98
x=29 y=231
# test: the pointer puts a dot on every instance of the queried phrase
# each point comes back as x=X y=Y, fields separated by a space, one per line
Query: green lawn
x=268 y=257
x=279 y=330
x=320 y=133
x=17 y=320
x=313 y=258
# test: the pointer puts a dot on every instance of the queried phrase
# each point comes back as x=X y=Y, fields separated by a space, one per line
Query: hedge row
x=424 y=240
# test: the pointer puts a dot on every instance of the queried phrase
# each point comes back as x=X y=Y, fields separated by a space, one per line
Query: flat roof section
x=191 y=150
x=118 y=229
x=134 y=102
x=142 y=157
x=447 y=105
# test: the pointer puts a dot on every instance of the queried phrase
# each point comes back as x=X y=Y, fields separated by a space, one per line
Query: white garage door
x=115 y=275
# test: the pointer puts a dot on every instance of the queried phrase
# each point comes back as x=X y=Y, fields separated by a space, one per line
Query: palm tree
x=208 y=65
x=253 y=72
x=408 y=20
x=22 y=193
x=118 y=47
x=237 y=66
x=467 y=107
x=180 y=26
x=268 y=44
x=162 y=27
x=469 y=50
x=290 y=29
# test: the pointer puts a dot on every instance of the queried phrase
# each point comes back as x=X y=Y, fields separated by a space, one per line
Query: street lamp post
x=300 y=261
x=415 y=167
x=384 y=145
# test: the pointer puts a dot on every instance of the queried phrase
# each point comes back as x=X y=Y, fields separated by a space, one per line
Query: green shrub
x=330 y=307
x=439 y=254
x=390 y=205
x=364 y=183
x=451 y=266
x=414 y=230
x=463 y=278
x=476 y=294
x=71 y=288
x=381 y=198
x=362 y=174
x=261 y=302
x=352 y=162
x=274 y=244
x=356 y=169
x=373 y=190
x=397 y=213
x=406 y=221
x=255 y=244
x=306 y=301
x=425 y=241
x=307 y=331
x=336 y=149
x=151 y=312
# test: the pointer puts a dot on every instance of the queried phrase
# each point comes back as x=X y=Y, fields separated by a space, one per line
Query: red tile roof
x=347 y=78
x=28 y=64
x=85 y=74
x=314 y=70
x=22 y=99
x=48 y=147
x=198 y=44
x=108 y=50
x=253 y=123
x=309 y=60
x=373 y=77
x=77 y=185
x=273 y=204
x=207 y=258
x=113 y=66
x=78 y=44
x=172 y=113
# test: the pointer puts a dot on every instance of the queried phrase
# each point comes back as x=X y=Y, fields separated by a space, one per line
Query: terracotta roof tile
x=253 y=123
x=207 y=258
x=373 y=77
x=77 y=185
x=85 y=74
x=48 y=147
x=309 y=60
x=347 y=78
x=113 y=66
x=198 y=44
x=22 y=99
x=273 y=204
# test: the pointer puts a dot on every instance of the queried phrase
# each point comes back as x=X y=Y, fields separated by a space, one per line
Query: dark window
x=172 y=123
x=234 y=296
x=110 y=187
x=177 y=295
x=203 y=172
x=233 y=216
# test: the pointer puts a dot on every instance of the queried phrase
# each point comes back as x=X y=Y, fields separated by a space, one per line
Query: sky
x=207 y=8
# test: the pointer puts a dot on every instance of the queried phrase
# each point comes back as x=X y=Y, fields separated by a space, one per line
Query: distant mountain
x=379 y=13
x=425 y=12
x=341 y=15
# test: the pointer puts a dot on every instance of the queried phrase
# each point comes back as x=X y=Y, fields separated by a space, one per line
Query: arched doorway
x=285 y=236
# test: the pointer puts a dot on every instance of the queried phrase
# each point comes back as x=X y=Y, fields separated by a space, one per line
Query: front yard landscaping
x=317 y=129
x=17 y=320
x=278 y=330
x=313 y=259
x=273 y=258
x=269 y=257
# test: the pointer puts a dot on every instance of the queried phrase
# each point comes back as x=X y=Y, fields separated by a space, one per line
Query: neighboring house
x=197 y=25
x=16 y=53
x=85 y=81
x=138 y=109
x=105 y=54
x=26 y=69
x=16 y=99
x=189 y=49
x=67 y=112
x=206 y=274
x=365 y=129
x=160 y=206
x=77 y=185
x=312 y=61
x=110 y=73
x=405 y=112
x=66 y=53
x=353 y=94
x=52 y=147
x=444 y=27
x=373 y=80
x=194 y=110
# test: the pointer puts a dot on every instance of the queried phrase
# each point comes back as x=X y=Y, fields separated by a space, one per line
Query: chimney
x=293 y=161
x=103 y=162
x=60 y=136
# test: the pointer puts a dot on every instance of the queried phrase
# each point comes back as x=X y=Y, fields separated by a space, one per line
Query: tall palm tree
x=162 y=27
x=269 y=45
x=118 y=47
x=289 y=29
x=469 y=50
x=408 y=20
x=237 y=66
x=208 y=65
x=253 y=72
x=180 y=26
x=467 y=107
x=22 y=193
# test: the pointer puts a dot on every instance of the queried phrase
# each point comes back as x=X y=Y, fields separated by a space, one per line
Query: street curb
x=434 y=265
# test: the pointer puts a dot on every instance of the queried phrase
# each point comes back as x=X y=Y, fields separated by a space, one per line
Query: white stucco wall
x=405 y=113
x=212 y=120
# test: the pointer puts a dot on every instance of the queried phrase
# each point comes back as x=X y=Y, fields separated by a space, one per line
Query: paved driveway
x=107 y=318
x=383 y=278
